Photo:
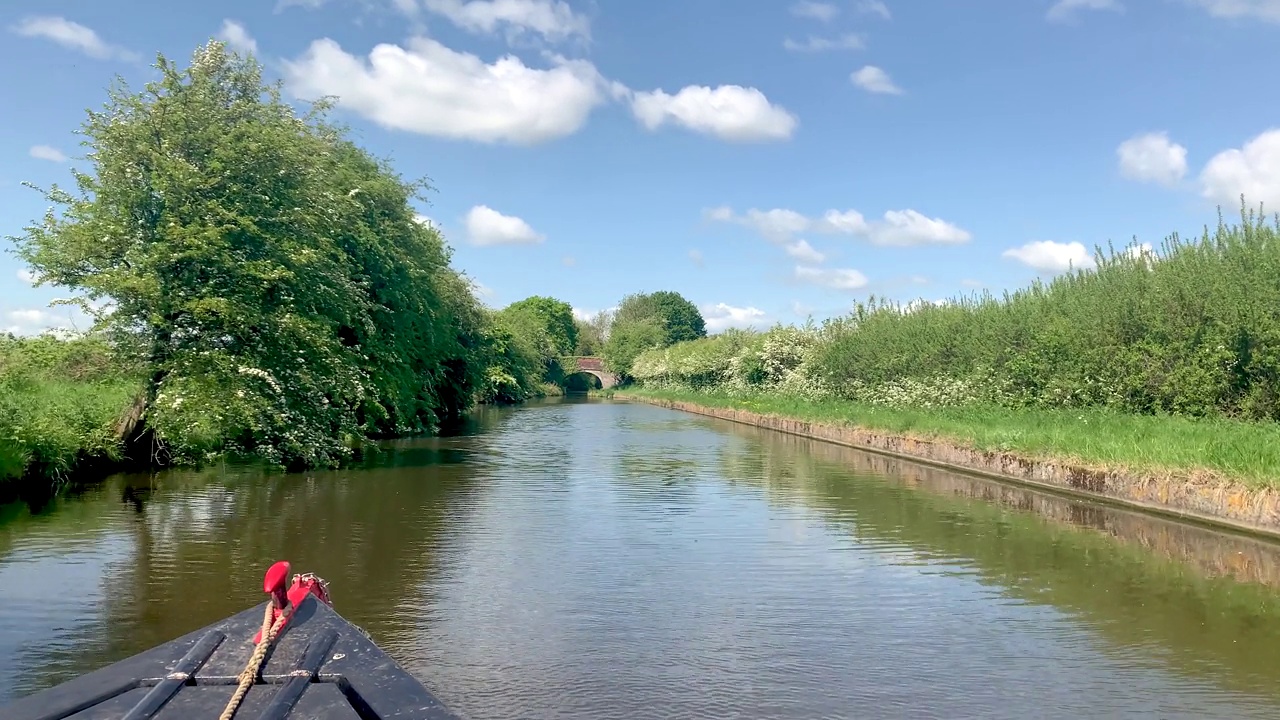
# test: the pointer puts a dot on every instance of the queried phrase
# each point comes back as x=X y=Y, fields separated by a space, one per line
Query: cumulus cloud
x=722 y=316
x=820 y=11
x=695 y=256
x=729 y=112
x=1048 y=256
x=235 y=35
x=46 y=152
x=834 y=278
x=568 y=261
x=874 y=7
x=1064 y=10
x=847 y=41
x=486 y=226
x=1252 y=170
x=804 y=252
x=1152 y=157
x=875 y=80
x=429 y=89
x=72 y=35
x=27 y=275
x=553 y=20
x=31 y=321
x=897 y=228
x=1268 y=10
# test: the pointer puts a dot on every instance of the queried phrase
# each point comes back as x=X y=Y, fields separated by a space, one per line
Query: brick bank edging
x=1224 y=504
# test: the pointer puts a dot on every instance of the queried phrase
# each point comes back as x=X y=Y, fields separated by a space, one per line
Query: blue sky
x=768 y=160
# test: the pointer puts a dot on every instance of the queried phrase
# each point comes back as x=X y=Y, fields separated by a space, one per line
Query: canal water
x=597 y=559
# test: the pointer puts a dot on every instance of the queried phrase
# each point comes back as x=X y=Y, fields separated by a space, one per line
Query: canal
x=598 y=559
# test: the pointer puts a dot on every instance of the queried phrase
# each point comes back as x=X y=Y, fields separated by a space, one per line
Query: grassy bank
x=60 y=406
x=1245 y=452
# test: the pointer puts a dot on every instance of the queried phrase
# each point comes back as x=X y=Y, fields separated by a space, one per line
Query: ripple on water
x=603 y=560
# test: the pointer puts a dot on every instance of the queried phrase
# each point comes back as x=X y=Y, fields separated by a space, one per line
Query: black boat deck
x=321 y=667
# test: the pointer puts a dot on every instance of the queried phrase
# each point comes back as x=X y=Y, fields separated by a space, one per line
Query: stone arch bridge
x=594 y=366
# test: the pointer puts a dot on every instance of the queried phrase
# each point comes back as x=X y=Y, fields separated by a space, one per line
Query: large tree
x=268 y=272
x=678 y=318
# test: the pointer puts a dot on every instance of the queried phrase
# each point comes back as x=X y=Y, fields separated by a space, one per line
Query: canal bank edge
x=1214 y=502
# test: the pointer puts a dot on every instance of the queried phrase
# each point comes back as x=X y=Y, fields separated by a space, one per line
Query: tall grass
x=1193 y=328
x=60 y=404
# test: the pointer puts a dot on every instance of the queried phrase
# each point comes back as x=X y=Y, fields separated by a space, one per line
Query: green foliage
x=268 y=272
x=592 y=334
x=529 y=339
x=678 y=318
x=61 y=402
x=549 y=322
x=628 y=339
x=1193 y=329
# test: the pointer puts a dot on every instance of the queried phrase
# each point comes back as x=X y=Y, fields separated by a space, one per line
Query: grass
x=1246 y=452
x=60 y=402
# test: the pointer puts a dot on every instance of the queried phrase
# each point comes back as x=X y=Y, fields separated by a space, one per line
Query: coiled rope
x=251 y=668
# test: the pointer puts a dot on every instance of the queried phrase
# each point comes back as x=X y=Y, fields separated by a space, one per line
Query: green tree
x=592 y=333
x=628 y=339
x=678 y=318
x=268 y=272
x=549 y=320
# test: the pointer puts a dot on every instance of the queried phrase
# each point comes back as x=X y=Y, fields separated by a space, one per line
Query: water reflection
x=594 y=559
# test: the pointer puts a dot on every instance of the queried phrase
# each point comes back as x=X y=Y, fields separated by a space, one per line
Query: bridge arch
x=594 y=366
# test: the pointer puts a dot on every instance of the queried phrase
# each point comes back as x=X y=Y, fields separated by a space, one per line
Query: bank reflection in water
x=605 y=560
x=1206 y=601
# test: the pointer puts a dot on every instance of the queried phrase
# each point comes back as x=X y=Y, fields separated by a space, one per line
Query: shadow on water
x=188 y=548
x=1208 y=600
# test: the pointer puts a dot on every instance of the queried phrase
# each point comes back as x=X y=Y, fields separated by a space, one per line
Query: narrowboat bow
x=293 y=657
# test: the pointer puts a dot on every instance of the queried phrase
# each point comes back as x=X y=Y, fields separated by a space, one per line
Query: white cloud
x=486 y=226
x=800 y=309
x=568 y=261
x=30 y=321
x=729 y=112
x=1051 y=257
x=1140 y=251
x=820 y=11
x=425 y=220
x=1152 y=157
x=907 y=227
x=430 y=89
x=804 y=252
x=1066 y=9
x=71 y=35
x=235 y=35
x=722 y=316
x=27 y=275
x=45 y=152
x=837 y=279
x=874 y=80
x=589 y=315
x=1252 y=170
x=971 y=283
x=847 y=41
x=1268 y=10
x=554 y=20
x=898 y=228
x=695 y=256
x=874 y=7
